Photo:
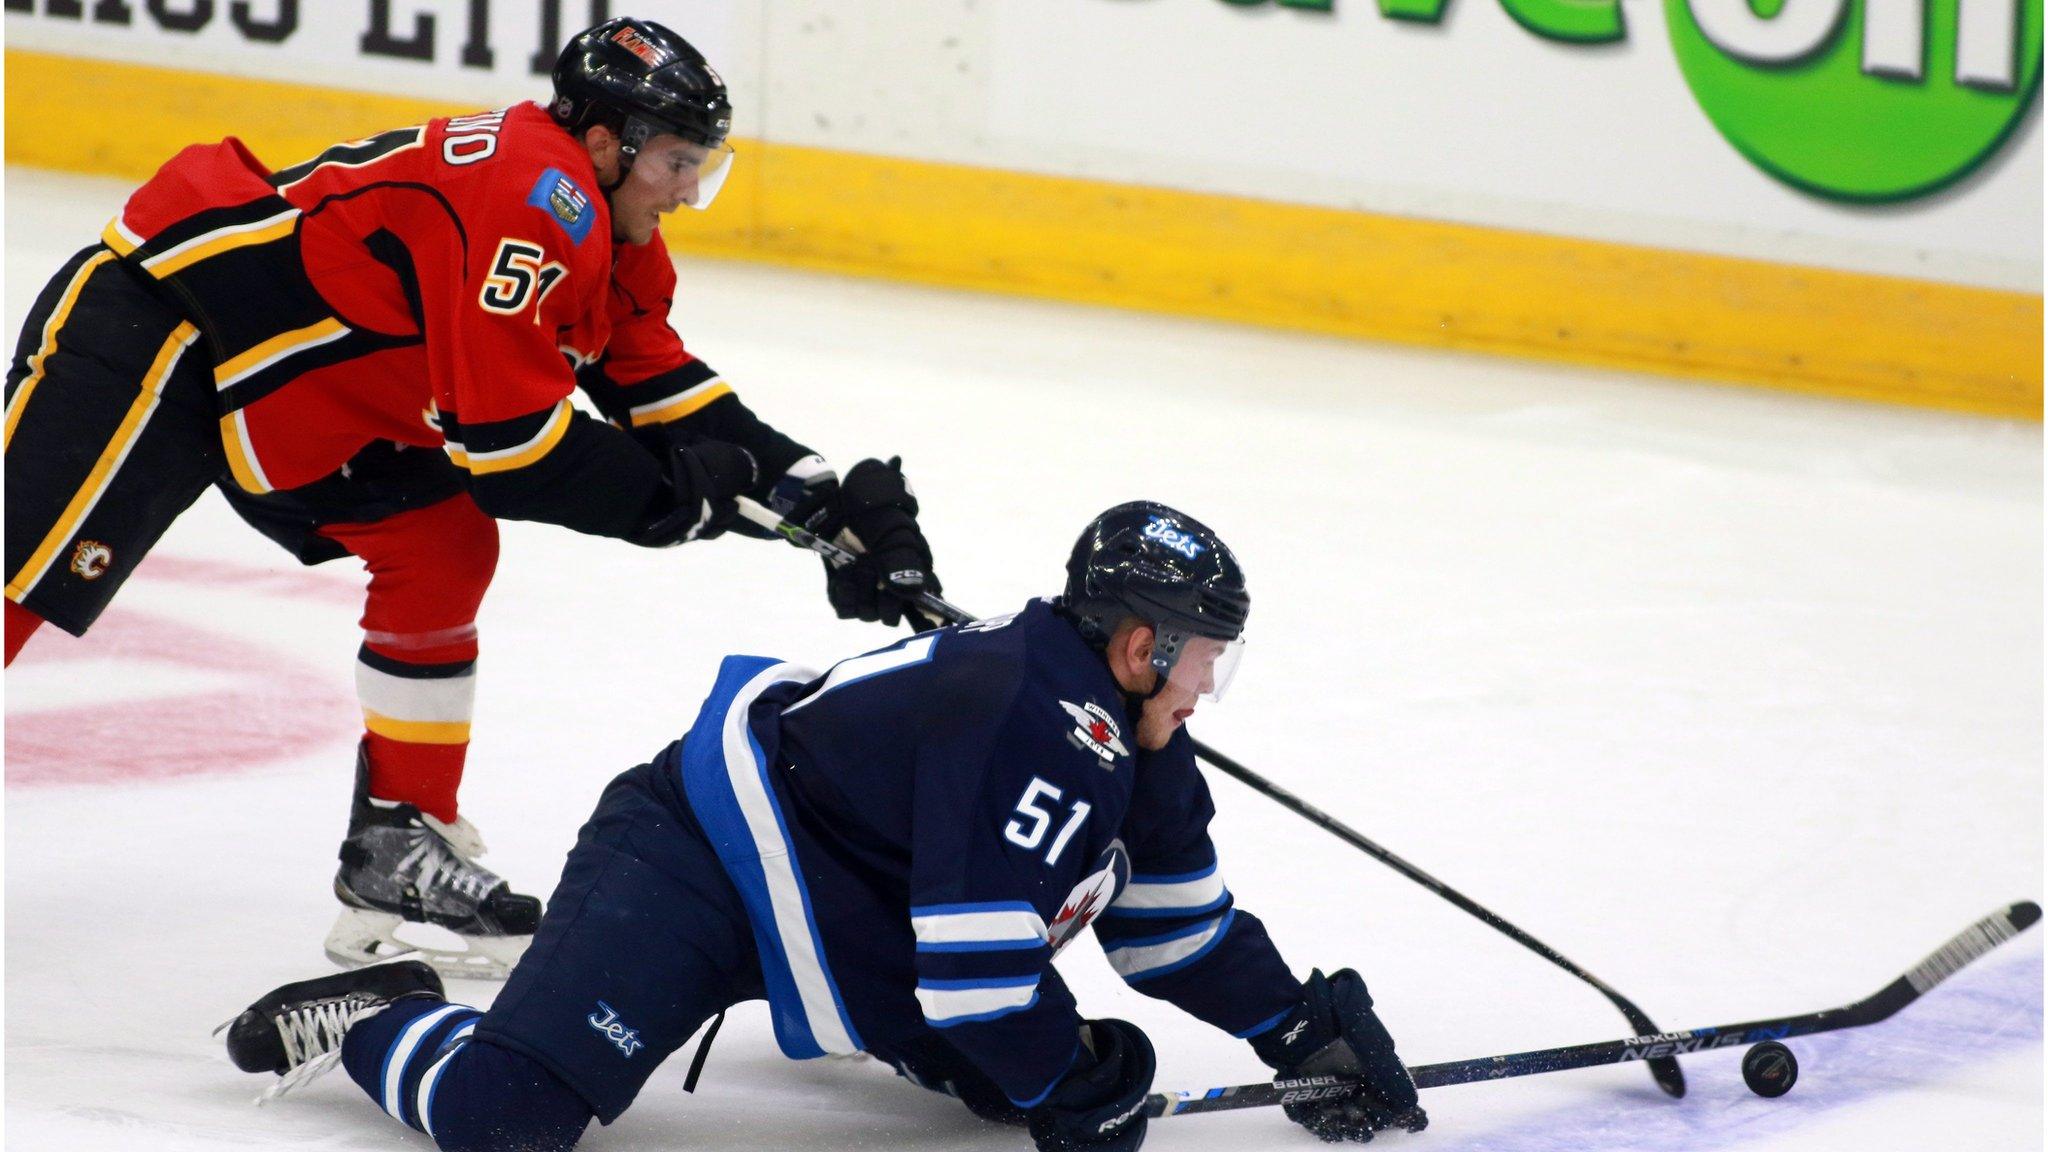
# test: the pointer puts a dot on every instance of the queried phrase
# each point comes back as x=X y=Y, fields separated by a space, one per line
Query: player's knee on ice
x=419 y=1062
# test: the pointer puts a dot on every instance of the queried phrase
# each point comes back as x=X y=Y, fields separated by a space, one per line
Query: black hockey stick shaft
x=762 y=516
x=1665 y=1070
x=1971 y=943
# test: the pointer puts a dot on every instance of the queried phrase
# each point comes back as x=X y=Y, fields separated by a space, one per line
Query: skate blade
x=363 y=936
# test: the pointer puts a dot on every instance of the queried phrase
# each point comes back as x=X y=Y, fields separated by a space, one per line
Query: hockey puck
x=1770 y=1069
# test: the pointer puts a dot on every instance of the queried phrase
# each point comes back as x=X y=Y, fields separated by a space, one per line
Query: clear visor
x=678 y=171
x=1204 y=666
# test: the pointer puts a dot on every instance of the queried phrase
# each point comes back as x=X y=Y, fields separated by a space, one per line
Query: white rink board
x=1732 y=697
x=1475 y=120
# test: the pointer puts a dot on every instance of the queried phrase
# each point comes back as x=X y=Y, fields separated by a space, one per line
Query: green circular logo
x=1864 y=100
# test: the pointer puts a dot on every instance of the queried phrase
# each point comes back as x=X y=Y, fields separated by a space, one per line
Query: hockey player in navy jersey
x=891 y=854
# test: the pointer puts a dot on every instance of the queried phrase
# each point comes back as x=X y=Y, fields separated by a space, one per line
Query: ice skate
x=296 y=1031
x=402 y=867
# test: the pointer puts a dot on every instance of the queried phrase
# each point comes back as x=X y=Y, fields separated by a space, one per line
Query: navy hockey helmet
x=639 y=79
x=1167 y=569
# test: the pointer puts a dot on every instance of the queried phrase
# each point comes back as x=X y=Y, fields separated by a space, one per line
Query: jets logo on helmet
x=1168 y=533
x=1147 y=562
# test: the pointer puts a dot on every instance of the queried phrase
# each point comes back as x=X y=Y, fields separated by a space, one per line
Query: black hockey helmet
x=1145 y=560
x=639 y=78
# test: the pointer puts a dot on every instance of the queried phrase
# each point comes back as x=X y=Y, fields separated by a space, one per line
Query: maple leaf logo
x=1073 y=918
x=1094 y=730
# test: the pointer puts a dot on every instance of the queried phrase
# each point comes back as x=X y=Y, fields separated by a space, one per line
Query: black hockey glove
x=874 y=513
x=703 y=478
x=1100 y=1105
x=1335 y=1033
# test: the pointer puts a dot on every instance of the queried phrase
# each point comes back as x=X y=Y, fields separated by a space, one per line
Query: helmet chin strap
x=632 y=134
x=1134 y=702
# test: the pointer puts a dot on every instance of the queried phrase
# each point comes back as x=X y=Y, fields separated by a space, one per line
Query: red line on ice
x=278 y=708
x=289 y=582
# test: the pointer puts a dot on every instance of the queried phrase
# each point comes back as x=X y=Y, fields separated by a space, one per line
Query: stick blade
x=1669 y=1078
x=2023 y=915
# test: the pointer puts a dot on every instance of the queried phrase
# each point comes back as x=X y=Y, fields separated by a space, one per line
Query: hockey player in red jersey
x=372 y=353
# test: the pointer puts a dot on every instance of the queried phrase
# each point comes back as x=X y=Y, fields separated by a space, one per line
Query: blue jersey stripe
x=1175 y=878
x=721 y=758
x=1264 y=1026
x=969 y=909
x=979 y=982
x=978 y=945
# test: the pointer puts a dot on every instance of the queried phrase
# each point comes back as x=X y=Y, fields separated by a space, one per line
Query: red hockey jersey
x=431 y=285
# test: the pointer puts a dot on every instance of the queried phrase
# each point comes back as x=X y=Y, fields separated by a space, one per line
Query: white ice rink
x=1733 y=697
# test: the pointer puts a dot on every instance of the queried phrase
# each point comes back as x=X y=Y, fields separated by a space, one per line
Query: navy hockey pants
x=644 y=940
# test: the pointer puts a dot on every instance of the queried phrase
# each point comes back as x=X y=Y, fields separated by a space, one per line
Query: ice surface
x=1733 y=697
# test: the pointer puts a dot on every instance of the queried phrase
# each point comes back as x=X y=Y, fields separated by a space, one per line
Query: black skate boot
x=398 y=865
x=296 y=1031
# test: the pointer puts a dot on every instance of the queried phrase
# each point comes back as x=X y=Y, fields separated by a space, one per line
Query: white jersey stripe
x=170 y=255
x=1180 y=896
x=1017 y=925
x=958 y=1005
x=785 y=894
x=845 y=672
x=401 y=1054
x=1137 y=961
x=423 y=1100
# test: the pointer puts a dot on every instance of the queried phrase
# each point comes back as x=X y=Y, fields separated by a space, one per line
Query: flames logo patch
x=91 y=559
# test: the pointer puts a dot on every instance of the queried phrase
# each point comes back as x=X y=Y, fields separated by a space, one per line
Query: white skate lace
x=462 y=836
x=312 y=1037
x=436 y=866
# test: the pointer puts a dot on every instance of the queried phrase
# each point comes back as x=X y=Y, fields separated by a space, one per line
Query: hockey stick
x=1664 y=1069
x=1971 y=943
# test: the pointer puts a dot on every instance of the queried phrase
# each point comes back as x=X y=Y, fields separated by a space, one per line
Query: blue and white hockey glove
x=1336 y=1033
x=1100 y=1105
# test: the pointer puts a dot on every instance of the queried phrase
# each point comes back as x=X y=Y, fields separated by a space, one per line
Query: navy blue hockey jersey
x=919 y=831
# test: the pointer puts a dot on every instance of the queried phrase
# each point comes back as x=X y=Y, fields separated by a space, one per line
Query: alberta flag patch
x=558 y=196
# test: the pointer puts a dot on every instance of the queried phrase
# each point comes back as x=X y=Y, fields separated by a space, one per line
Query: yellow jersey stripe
x=277 y=348
x=49 y=345
x=103 y=469
x=484 y=464
x=416 y=731
x=117 y=237
x=226 y=239
x=682 y=405
x=234 y=437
